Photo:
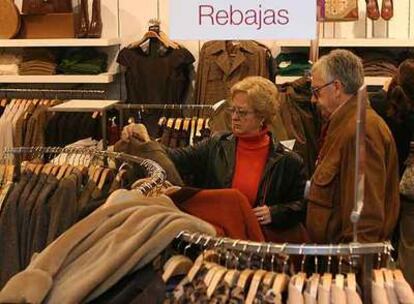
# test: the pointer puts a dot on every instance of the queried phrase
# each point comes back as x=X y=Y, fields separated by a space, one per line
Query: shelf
x=370 y=81
x=59 y=42
x=343 y=42
x=100 y=78
x=84 y=105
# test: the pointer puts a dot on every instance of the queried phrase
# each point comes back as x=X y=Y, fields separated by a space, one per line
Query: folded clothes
x=83 y=61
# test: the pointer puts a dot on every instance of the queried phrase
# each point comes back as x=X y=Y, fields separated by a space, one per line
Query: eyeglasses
x=240 y=113
x=316 y=90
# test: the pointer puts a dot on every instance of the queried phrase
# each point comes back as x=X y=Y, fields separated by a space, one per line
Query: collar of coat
x=343 y=116
x=218 y=47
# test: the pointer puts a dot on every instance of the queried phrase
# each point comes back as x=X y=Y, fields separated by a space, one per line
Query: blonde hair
x=261 y=93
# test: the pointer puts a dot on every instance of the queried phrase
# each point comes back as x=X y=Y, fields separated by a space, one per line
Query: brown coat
x=331 y=195
x=219 y=69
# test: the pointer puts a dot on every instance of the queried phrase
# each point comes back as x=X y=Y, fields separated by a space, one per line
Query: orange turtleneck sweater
x=251 y=156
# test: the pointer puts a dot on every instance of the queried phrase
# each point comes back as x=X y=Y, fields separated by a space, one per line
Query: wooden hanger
x=269 y=278
x=398 y=275
x=200 y=123
x=199 y=262
x=10 y=171
x=62 y=171
x=106 y=173
x=162 y=121
x=2 y=174
x=153 y=35
x=340 y=280
x=178 y=124
x=280 y=283
x=170 y=122
x=351 y=281
x=254 y=286
x=244 y=278
x=176 y=265
x=215 y=281
x=313 y=285
x=172 y=44
x=211 y=273
x=186 y=124
x=47 y=168
x=38 y=169
x=300 y=279
x=231 y=277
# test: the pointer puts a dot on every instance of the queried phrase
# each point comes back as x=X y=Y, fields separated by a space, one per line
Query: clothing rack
x=54 y=93
x=156 y=174
x=289 y=249
x=15 y=90
x=365 y=251
x=158 y=106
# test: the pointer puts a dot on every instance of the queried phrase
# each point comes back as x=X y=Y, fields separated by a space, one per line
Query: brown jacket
x=220 y=68
x=331 y=195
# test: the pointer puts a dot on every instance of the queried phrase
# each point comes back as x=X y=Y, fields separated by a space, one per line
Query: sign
x=242 y=19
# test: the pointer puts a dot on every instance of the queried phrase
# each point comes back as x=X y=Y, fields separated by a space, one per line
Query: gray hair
x=344 y=66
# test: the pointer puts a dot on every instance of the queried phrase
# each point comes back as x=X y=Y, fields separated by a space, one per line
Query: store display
x=41 y=7
x=223 y=63
x=387 y=9
x=64 y=214
x=338 y=10
x=373 y=9
x=55 y=25
x=83 y=20
x=95 y=28
x=9 y=19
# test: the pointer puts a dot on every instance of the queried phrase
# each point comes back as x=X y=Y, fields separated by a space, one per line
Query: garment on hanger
x=223 y=63
x=129 y=219
x=45 y=202
x=63 y=128
x=23 y=123
x=160 y=75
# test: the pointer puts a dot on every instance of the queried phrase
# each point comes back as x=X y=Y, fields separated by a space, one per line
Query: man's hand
x=138 y=131
x=263 y=215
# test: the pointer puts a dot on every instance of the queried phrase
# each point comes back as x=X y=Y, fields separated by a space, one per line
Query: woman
x=248 y=159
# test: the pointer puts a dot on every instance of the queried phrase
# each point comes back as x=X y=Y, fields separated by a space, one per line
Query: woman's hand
x=263 y=215
x=138 y=131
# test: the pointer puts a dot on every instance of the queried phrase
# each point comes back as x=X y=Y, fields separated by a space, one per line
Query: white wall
x=135 y=14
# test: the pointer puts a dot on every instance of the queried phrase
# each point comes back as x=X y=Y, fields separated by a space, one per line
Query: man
x=336 y=79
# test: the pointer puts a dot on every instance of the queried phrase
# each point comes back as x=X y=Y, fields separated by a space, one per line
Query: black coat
x=282 y=185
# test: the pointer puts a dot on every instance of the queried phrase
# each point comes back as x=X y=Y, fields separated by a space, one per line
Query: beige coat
x=123 y=235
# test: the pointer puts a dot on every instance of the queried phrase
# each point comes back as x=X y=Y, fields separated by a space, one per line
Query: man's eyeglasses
x=240 y=113
x=316 y=90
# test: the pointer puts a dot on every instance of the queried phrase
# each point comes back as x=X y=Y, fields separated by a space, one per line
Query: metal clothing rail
x=156 y=174
x=160 y=106
x=157 y=106
x=289 y=249
x=67 y=91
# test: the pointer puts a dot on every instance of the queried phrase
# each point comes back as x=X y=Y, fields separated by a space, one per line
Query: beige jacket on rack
x=125 y=234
